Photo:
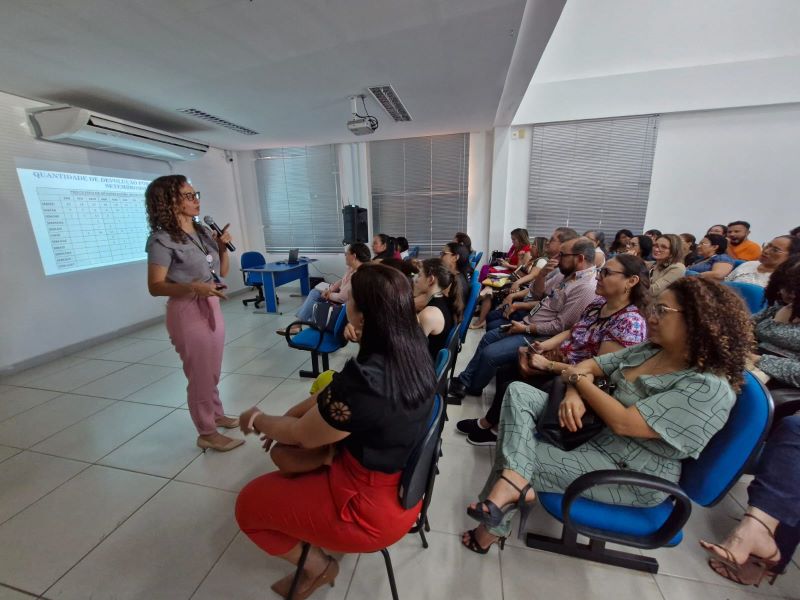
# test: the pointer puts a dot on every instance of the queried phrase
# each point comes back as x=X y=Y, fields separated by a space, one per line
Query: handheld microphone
x=208 y=220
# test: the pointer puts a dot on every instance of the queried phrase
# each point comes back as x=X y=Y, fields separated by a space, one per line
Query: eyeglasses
x=659 y=310
x=189 y=196
x=605 y=272
x=772 y=249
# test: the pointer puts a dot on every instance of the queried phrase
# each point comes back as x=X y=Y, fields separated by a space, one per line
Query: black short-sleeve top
x=382 y=436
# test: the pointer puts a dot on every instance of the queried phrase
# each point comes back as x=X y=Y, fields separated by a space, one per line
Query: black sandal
x=494 y=515
x=476 y=547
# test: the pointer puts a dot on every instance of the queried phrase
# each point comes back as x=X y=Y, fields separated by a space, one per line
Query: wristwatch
x=573 y=379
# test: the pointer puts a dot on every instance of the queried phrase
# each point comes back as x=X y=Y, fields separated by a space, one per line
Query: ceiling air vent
x=217 y=121
x=390 y=101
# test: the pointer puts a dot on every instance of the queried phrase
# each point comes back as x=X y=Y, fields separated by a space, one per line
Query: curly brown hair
x=718 y=325
x=161 y=198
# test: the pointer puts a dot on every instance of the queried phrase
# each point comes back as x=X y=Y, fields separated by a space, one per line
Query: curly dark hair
x=718 y=326
x=786 y=277
x=161 y=198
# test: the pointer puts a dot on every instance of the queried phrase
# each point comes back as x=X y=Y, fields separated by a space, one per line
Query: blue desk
x=280 y=273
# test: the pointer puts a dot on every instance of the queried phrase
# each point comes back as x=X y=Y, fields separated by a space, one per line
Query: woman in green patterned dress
x=672 y=394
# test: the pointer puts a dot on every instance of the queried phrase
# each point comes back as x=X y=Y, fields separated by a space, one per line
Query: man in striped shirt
x=567 y=291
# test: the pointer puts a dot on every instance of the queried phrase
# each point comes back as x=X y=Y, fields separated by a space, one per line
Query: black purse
x=551 y=431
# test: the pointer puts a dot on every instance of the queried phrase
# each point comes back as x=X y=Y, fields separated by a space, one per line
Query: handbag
x=325 y=314
x=549 y=429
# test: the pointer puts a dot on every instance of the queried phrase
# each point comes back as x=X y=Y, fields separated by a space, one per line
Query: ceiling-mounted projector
x=361 y=124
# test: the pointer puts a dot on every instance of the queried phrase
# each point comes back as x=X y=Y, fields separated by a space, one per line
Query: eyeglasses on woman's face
x=772 y=249
x=605 y=272
x=659 y=311
x=189 y=196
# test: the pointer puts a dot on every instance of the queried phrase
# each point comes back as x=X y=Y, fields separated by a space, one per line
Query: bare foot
x=749 y=537
x=483 y=537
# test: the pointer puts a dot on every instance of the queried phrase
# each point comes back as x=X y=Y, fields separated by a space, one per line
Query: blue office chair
x=474 y=290
x=690 y=273
x=738 y=262
x=753 y=295
x=704 y=481
x=475 y=259
x=416 y=483
x=318 y=342
x=251 y=260
x=413 y=252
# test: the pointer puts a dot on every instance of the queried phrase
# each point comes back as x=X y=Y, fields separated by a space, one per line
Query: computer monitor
x=293 y=256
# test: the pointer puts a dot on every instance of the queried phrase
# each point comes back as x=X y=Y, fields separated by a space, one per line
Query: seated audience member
x=653 y=234
x=777 y=330
x=613 y=321
x=669 y=267
x=444 y=307
x=462 y=239
x=762 y=544
x=456 y=258
x=620 y=243
x=339 y=292
x=739 y=247
x=718 y=230
x=714 y=263
x=567 y=294
x=406 y=267
x=518 y=254
x=383 y=247
x=671 y=395
x=491 y=295
x=774 y=254
x=641 y=246
x=375 y=410
x=402 y=247
x=689 y=252
x=517 y=304
x=599 y=239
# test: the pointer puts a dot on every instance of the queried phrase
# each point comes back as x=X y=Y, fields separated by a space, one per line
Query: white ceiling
x=281 y=67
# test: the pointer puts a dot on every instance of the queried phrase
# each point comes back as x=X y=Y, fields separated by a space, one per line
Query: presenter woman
x=186 y=262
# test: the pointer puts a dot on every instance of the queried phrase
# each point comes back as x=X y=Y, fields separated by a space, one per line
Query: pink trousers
x=197 y=331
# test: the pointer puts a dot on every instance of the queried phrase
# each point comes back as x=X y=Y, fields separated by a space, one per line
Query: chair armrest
x=681 y=510
x=313 y=326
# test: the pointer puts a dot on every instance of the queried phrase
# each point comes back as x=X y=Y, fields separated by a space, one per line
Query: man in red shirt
x=739 y=247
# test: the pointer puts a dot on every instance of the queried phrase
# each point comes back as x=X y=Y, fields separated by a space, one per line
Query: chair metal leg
x=314 y=373
x=325 y=366
x=390 y=572
x=300 y=564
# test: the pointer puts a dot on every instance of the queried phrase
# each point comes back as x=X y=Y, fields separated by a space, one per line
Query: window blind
x=591 y=175
x=419 y=188
x=299 y=199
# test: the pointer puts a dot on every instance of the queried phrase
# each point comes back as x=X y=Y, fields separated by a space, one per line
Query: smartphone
x=505 y=327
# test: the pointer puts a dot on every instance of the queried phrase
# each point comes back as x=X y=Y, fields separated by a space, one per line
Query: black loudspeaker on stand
x=355 y=225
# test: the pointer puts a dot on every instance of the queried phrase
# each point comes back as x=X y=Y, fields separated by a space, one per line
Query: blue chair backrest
x=690 y=273
x=414 y=480
x=413 y=252
x=474 y=290
x=738 y=262
x=341 y=321
x=249 y=260
x=441 y=361
x=753 y=295
x=707 y=479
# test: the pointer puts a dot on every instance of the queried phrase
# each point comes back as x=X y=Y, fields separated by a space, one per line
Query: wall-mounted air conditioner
x=81 y=127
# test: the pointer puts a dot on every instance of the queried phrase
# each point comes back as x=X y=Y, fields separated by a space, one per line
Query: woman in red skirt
x=374 y=411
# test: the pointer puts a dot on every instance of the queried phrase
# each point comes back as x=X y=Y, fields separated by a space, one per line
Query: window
x=591 y=175
x=419 y=188
x=299 y=199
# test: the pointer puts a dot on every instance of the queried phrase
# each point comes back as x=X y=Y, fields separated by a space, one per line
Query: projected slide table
x=280 y=273
x=85 y=221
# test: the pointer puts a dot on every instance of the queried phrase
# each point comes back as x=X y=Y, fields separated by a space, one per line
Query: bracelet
x=252 y=421
x=528 y=329
x=552 y=366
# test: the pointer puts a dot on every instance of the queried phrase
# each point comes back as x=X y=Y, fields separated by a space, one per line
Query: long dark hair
x=616 y=245
x=389 y=243
x=720 y=241
x=633 y=265
x=449 y=285
x=360 y=251
x=463 y=239
x=785 y=277
x=385 y=298
x=463 y=265
x=160 y=199
x=645 y=245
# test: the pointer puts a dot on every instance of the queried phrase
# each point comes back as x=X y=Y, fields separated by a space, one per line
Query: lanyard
x=209 y=259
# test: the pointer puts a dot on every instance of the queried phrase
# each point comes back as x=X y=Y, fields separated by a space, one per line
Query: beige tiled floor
x=104 y=495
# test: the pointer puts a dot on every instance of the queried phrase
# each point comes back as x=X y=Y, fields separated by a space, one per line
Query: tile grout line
x=219 y=558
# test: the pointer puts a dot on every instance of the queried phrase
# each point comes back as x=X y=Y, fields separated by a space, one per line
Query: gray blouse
x=185 y=261
x=780 y=338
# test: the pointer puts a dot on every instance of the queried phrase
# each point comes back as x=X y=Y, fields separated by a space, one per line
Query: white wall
x=719 y=166
x=42 y=315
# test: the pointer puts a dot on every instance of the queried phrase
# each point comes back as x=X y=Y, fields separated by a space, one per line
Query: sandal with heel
x=473 y=544
x=752 y=571
x=490 y=515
